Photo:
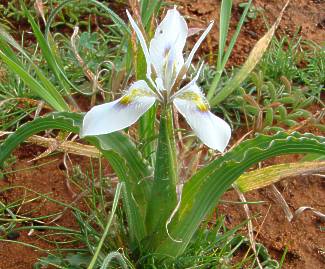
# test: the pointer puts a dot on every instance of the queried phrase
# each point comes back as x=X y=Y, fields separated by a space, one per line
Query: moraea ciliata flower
x=166 y=69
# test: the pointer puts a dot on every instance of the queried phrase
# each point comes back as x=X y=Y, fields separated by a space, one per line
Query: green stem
x=163 y=196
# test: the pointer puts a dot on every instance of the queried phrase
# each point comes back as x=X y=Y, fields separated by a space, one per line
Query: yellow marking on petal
x=132 y=95
x=202 y=106
x=125 y=100
x=197 y=99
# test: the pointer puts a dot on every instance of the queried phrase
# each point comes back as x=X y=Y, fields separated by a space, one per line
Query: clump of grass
x=300 y=61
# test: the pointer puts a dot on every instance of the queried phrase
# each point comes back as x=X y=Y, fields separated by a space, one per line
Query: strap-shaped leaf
x=202 y=192
x=266 y=176
x=116 y=147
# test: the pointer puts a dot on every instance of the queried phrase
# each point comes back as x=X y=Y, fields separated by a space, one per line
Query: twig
x=65 y=146
x=67 y=178
x=249 y=223
x=39 y=108
x=263 y=221
x=240 y=140
x=280 y=199
x=89 y=74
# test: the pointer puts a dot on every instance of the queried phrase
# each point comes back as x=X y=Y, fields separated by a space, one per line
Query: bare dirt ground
x=47 y=178
x=304 y=237
x=305 y=16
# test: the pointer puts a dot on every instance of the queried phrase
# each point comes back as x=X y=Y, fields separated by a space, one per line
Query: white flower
x=166 y=68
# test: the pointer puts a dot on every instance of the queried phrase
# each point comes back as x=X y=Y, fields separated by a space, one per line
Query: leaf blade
x=163 y=199
x=203 y=190
x=269 y=175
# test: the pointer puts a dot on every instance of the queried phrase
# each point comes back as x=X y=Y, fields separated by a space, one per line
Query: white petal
x=142 y=42
x=197 y=45
x=166 y=48
x=159 y=84
x=119 y=114
x=212 y=131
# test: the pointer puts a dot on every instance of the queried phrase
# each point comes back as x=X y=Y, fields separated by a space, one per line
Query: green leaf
x=130 y=168
x=147 y=133
x=62 y=120
x=225 y=16
x=46 y=51
x=146 y=124
x=49 y=55
x=266 y=176
x=313 y=157
x=202 y=192
x=163 y=198
x=148 y=8
x=5 y=48
x=78 y=259
x=114 y=255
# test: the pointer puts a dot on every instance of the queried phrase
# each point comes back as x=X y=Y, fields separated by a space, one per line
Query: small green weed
x=253 y=11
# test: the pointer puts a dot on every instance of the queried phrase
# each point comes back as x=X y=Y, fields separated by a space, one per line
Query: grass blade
x=48 y=93
x=225 y=16
x=109 y=222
